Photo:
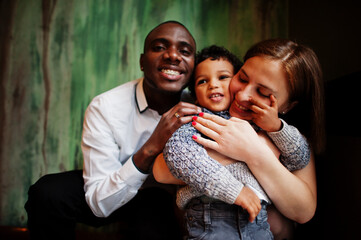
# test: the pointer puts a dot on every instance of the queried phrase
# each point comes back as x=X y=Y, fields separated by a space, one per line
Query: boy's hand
x=248 y=200
x=266 y=117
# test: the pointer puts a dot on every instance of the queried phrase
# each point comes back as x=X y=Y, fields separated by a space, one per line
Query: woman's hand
x=234 y=138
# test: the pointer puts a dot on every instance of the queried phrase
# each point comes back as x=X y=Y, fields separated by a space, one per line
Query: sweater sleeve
x=185 y=195
x=189 y=161
x=295 y=151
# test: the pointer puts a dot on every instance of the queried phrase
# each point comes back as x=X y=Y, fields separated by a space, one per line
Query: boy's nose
x=213 y=84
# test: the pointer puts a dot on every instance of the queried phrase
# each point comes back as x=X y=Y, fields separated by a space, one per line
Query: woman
x=294 y=194
x=268 y=65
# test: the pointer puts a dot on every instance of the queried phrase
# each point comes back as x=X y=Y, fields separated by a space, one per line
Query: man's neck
x=161 y=101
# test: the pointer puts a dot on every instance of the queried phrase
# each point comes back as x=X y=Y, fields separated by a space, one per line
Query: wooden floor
x=16 y=233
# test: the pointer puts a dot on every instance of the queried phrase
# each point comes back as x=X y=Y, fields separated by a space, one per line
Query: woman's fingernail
x=194 y=137
x=194 y=118
x=201 y=114
x=194 y=123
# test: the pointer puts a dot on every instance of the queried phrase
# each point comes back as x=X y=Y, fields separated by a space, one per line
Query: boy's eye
x=224 y=77
x=202 y=81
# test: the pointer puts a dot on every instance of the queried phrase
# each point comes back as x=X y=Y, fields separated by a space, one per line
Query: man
x=124 y=130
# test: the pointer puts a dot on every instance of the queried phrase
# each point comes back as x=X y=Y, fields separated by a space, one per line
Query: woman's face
x=259 y=78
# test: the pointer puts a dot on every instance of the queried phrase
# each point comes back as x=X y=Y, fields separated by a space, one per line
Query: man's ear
x=141 y=61
x=289 y=107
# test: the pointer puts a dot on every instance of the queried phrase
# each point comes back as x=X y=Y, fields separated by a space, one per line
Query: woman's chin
x=238 y=113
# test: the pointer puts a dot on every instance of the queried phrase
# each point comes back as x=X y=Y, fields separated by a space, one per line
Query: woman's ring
x=177 y=115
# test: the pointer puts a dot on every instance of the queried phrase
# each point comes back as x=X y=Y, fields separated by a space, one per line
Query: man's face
x=168 y=58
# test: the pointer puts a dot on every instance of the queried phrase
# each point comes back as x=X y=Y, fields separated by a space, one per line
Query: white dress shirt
x=116 y=125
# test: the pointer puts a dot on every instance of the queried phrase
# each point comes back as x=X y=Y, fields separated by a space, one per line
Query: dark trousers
x=56 y=202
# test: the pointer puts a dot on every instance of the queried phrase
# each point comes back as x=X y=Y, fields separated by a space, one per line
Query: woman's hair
x=214 y=53
x=304 y=75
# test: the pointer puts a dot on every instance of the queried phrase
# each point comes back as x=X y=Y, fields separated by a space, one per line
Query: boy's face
x=212 y=79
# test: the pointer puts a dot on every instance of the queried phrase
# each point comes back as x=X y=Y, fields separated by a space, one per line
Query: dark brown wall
x=333 y=30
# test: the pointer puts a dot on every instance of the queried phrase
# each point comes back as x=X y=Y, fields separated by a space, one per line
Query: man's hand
x=177 y=116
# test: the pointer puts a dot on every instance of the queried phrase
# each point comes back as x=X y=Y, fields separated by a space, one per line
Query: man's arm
x=144 y=158
x=108 y=183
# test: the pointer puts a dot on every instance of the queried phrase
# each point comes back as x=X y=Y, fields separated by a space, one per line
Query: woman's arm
x=295 y=150
x=294 y=194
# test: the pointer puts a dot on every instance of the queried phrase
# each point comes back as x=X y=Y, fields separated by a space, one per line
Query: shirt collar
x=140 y=97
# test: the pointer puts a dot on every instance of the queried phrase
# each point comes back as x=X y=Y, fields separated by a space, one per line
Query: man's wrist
x=141 y=170
x=143 y=160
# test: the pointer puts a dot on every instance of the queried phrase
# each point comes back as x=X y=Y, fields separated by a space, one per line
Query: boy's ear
x=289 y=107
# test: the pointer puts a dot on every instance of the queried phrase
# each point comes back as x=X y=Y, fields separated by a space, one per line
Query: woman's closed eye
x=264 y=92
x=243 y=80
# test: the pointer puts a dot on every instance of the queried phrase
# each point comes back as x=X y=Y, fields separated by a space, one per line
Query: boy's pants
x=211 y=219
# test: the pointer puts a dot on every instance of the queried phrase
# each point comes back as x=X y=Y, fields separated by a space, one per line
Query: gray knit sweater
x=189 y=161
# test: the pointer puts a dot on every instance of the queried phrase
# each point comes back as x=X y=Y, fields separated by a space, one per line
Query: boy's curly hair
x=215 y=53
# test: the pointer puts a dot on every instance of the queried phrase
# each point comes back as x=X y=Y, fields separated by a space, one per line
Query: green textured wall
x=55 y=56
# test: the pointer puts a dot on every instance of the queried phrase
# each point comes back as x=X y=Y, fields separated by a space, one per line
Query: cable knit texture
x=295 y=151
x=189 y=161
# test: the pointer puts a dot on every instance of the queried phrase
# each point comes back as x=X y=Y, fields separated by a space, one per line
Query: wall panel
x=57 y=55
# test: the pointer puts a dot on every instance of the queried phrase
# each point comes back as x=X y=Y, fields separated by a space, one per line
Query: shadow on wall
x=339 y=168
x=343 y=105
